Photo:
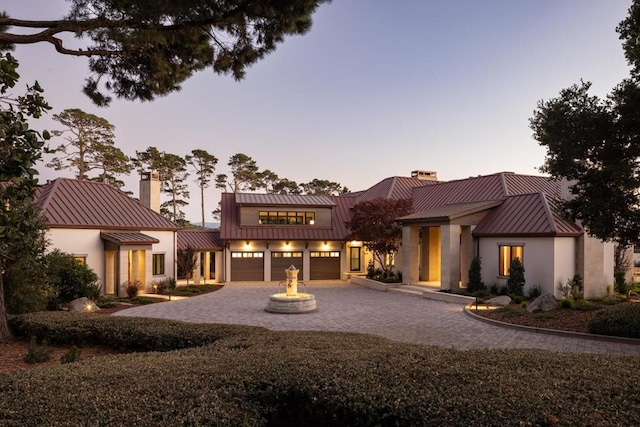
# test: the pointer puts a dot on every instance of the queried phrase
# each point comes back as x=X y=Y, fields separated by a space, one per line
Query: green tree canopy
x=374 y=223
x=142 y=49
x=323 y=187
x=21 y=223
x=89 y=145
x=204 y=165
x=595 y=144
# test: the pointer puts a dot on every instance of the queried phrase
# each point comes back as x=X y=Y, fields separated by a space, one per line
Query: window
x=247 y=254
x=506 y=254
x=316 y=254
x=286 y=218
x=354 y=255
x=80 y=259
x=158 y=264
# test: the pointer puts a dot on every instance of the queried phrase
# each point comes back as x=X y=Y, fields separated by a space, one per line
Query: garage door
x=280 y=261
x=247 y=266
x=324 y=265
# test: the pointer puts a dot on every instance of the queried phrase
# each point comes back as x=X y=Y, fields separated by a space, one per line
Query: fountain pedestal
x=291 y=302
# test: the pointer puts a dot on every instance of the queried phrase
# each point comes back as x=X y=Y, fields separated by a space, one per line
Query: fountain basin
x=291 y=304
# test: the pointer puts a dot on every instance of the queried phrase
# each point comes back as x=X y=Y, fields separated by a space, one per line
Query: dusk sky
x=375 y=89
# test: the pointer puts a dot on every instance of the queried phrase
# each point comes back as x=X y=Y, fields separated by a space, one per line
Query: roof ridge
x=547 y=208
x=392 y=186
x=503 y=182
x=53 y=187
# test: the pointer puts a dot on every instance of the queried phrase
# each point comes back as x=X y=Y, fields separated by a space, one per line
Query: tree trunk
x=202 y=202
x=5 y=333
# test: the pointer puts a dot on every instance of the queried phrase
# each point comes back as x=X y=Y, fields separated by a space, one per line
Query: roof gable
x=395 y=187
x=526 y=215
x=71 y=203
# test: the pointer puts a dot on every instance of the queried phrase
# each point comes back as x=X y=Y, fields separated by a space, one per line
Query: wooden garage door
x=280 y=261
x=247 y=266
x=324 y=265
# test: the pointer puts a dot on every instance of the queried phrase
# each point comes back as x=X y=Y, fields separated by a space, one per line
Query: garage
x=280 y=261
x=325 y=265
x=247 y=266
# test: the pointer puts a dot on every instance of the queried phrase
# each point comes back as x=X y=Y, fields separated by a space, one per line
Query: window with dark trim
x=158 y=264
x=506 y=253
x=286 y=217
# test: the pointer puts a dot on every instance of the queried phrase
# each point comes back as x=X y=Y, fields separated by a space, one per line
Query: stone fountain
x=291 y=302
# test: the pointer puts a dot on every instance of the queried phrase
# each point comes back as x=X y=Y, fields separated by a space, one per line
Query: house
x=500 y=217
x=266 y=233
x=121 y=239
x=497 y=217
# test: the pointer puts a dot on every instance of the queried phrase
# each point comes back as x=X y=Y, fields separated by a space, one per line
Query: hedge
x=252 y=376
x=620 y=320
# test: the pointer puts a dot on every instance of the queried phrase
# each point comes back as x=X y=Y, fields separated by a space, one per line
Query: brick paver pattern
x=350 y=308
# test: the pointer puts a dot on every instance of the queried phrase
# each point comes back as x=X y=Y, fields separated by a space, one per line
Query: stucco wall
x=80 y=242
x=543 y=264
x=564 y=261
x=167 y=246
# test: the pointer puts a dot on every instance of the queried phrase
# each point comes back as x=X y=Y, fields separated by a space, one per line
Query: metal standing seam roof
x=395 y=187
x=231 y=230
x=71 y=203
x=526 y=215
x=200 y=240
x=527 y=184
x=283 y=199
x=449 y=212
x=128 y=238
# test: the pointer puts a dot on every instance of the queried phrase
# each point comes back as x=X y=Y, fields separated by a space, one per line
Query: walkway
x=350 y=308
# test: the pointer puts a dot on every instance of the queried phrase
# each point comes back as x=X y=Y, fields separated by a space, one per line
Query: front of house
x=497 y=217
x=119 y=238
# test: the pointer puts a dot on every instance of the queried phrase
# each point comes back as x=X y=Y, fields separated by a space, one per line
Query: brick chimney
x=150 y=190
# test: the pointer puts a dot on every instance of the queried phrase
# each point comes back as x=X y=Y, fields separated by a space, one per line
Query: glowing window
x=506 y=253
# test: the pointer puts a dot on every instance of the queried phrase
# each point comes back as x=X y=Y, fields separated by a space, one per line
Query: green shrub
x=516 y=299
x=524 y=304
x=37 y=353
x=106 y=302
x=26 y=289
x=567 y=303
x=535 y=291
x=123 y=333
x=132 y=288
x=252 y=376
x=508 y=311
x=620 y=286
x=69 y=278
x=621 y=320
x=584 y=305
x=475 y=276
x=73 y=355
x=516 y=282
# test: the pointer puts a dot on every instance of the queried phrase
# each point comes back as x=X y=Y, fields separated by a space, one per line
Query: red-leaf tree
x=373 y=223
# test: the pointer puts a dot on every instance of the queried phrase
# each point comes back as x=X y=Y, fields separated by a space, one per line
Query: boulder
x=83 y=305
x=501 y=300
x=546 y=302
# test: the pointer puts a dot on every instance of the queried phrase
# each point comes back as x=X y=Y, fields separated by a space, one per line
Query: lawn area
x=235 y=375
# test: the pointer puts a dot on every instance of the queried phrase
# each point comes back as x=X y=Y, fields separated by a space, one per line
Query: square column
x=466 y=254
x=410 y=254
x=450 y=261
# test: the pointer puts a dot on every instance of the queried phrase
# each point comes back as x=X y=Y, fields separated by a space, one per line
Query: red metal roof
x=395 y=187
x=283 y=199
x=482 y=188
x=128 y=238
x=71 y=203
x=200 y=240
x=231 y=230
x=449 y=212
x=526 y=215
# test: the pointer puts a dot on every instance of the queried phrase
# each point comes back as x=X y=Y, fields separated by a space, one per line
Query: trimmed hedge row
x=259 y=377
x=121 y=333
x=621 y=320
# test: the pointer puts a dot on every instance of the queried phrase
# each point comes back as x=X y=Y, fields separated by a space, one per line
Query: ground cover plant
x=252 y=376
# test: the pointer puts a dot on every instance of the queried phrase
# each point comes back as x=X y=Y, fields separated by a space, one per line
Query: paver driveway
x=350 y=308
